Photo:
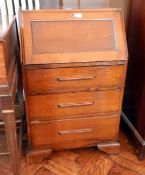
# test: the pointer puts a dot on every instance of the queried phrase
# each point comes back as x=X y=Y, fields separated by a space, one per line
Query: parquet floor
x=86 y=161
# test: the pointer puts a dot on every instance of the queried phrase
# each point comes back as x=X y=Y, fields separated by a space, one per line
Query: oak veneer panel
x=79 y=78
x=73 y=36
x=68 y=105
x=57 y=134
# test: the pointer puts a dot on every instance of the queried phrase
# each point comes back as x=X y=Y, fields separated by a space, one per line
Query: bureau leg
x=10 y=128
x=109 y=147
x=37 y=156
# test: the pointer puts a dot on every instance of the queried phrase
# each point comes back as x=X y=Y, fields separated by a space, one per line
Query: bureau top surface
x=78 y=35
x=5 y=24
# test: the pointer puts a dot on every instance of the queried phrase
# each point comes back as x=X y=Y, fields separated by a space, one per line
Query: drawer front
x=65 y=79
x=74 y=132
x=58 y=106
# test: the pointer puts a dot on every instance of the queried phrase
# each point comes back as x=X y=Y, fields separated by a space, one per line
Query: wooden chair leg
x=10 y=127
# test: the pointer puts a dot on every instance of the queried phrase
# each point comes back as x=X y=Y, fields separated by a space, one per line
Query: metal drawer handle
x=78 y=131
x=75 y=78
x=75 y=104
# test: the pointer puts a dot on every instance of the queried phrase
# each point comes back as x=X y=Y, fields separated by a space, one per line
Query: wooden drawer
x=73 y=132
x=59 y=106
x=71 y=79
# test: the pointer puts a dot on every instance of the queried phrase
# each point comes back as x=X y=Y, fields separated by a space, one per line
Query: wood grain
x=8 y=88
x=119 y=52
x=71 y=79
x=73 y=105
x=84 y=160
x=74 y=73
x=49 y=133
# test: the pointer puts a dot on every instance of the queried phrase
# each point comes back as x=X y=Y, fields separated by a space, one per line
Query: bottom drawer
x=73 y=133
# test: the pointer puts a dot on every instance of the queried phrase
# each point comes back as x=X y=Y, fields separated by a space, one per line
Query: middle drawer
x=61 y=106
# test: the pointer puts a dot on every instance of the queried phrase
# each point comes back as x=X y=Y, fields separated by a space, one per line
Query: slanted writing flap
x=62 y=36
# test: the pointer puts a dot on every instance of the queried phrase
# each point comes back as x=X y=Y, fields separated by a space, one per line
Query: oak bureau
x=74 y=67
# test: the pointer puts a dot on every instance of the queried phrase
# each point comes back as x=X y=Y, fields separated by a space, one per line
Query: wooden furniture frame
x=10 y=85
x=71 y=101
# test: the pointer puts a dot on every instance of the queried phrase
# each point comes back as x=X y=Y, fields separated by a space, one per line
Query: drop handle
x=67 y=105
x=78 y=131
x=74 y=78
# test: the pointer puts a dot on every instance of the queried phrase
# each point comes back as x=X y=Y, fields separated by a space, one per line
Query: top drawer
x=72 y=79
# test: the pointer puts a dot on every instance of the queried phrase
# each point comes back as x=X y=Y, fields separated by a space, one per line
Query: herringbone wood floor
x=86 y=161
